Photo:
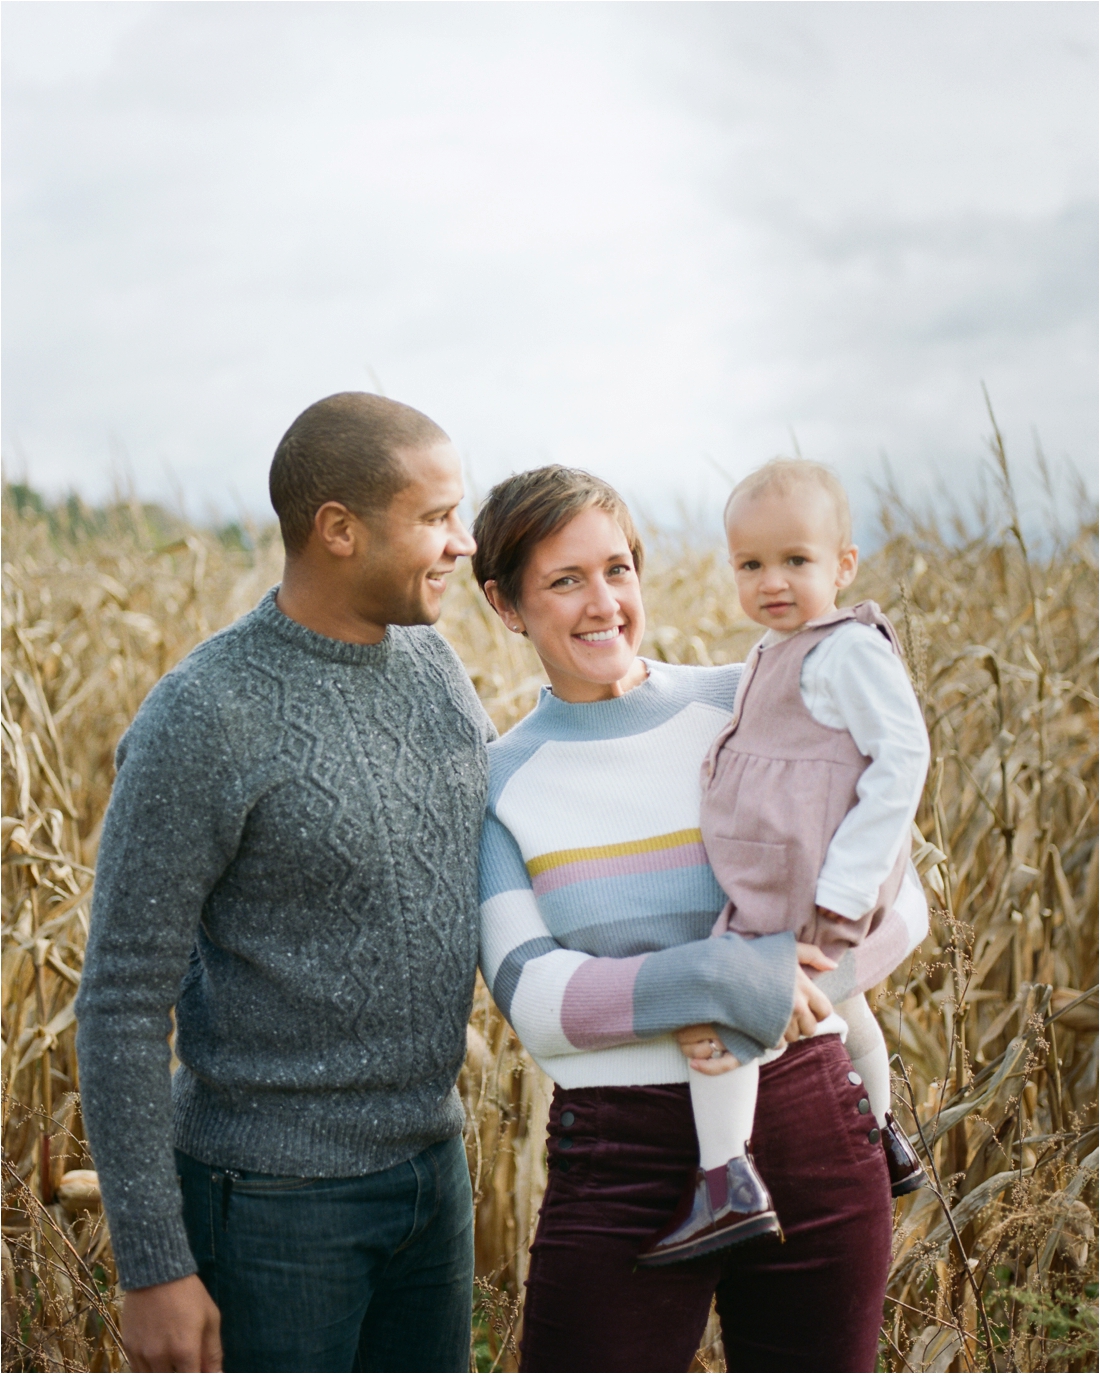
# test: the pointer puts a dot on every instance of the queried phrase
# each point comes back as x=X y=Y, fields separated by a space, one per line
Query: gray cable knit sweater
x=289 y=859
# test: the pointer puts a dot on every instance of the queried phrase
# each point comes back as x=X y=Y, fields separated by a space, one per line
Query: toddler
x=809 y=796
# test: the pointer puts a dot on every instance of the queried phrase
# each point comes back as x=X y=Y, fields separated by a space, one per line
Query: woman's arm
x=563 y=1001
x=862 y=967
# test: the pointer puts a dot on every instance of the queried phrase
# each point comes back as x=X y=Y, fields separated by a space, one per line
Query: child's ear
x=847 y=567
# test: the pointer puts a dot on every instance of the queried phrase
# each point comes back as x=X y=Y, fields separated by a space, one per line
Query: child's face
x=787 y=557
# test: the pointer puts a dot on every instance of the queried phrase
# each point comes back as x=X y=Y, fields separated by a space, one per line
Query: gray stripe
x=640 y=934
x=839 y=984
x=504 y=984
x=745 y=985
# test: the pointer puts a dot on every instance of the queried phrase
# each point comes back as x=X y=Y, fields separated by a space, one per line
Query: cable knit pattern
x=288 y=860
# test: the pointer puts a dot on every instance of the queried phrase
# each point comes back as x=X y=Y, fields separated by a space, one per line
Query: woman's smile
x=581 y=608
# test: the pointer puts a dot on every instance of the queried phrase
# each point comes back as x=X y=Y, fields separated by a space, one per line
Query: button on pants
x=371 y=1273
x=619 y=1158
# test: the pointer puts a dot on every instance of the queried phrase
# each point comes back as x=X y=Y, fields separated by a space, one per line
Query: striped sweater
x=597 y=901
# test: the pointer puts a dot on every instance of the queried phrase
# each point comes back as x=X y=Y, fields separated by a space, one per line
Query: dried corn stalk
x=993 y=1021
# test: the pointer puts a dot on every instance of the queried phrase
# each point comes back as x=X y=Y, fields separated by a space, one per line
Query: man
x=289 y=863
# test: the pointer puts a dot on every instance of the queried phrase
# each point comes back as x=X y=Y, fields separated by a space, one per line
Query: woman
x=597 y=908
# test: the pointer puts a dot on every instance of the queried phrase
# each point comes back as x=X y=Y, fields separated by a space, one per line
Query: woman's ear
x=504 y=608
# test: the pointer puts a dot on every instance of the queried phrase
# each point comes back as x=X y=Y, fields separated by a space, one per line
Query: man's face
x=414 y=545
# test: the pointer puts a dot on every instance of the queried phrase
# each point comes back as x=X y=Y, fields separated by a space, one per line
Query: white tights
x=724 y=1104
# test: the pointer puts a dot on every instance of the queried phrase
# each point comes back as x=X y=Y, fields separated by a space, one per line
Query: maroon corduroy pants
x=619 y=1158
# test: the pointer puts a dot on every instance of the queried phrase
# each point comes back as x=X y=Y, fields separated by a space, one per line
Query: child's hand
x=811 y=957
x=810 y=1003
x=705 y=1051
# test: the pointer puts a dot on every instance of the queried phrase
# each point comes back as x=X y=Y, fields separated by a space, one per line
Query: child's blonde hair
x=783 y=474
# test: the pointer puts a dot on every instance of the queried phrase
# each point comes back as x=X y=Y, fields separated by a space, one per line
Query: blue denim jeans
x=371 y=1273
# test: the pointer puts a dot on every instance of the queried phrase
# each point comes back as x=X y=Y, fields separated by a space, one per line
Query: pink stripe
x=881 y=953
x=651 y=861
x=598 y=1006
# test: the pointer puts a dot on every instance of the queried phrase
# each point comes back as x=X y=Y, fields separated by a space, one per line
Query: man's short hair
x=523 y=510
x=346 y=448
x=784 y=474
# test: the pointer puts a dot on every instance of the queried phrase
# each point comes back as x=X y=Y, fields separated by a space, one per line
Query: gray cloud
x=628 y=236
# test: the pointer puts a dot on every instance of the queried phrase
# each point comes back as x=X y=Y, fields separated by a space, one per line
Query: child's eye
x=798 y=560
x=750 y=565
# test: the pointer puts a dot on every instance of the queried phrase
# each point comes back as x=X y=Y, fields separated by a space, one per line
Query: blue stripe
x=670 y=892
x=509 y=754
x=507 y=979
x=500 y=864
x=640 y=934
x=719 y=981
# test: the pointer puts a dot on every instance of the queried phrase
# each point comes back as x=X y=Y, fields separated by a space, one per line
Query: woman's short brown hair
x=525 y=509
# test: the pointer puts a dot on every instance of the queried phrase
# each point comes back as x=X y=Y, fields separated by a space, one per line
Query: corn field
x=992 y=1022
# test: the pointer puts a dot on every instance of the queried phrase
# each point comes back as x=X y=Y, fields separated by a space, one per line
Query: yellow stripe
x=542 y=862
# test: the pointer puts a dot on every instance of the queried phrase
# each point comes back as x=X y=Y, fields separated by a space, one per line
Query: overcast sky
x=647 y=239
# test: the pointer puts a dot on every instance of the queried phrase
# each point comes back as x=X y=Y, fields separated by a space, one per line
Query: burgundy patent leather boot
x=726 y=1206
x=906 y=1171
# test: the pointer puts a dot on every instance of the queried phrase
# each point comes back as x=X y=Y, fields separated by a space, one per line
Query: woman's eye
x=563 y=582
x=618 y=569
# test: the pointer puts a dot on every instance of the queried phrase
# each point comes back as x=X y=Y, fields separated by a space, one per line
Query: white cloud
x=628 y=236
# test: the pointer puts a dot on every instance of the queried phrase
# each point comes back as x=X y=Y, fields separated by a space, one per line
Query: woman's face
x=581 y=606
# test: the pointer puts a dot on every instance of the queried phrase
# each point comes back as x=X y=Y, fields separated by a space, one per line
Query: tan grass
x=994 y=1020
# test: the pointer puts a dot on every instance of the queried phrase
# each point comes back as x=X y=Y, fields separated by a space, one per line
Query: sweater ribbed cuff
x=151 y=1250
x=761 y=975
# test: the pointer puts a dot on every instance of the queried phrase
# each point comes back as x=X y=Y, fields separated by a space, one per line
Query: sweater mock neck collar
x=640 y=709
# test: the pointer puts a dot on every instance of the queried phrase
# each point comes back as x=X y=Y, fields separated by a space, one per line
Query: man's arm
x=171 y=828
x=563 y=1001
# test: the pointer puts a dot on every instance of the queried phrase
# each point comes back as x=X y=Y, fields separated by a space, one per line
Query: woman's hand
x=703 y=1046
x=705 y=1051
x=810 y=1003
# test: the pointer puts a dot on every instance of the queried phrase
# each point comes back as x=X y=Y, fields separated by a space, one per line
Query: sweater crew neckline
x=269 y=615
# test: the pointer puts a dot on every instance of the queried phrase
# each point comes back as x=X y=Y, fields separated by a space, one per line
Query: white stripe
x=623 y=1066
x=508 y=920
x=912 y=907
x=536 y=1006
x=575 y=794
